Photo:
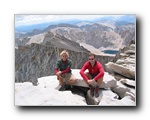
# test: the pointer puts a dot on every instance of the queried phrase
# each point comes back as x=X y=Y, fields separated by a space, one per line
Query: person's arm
x=56 y=70
x=82 y=72
x=101 y=74
x=65 y=71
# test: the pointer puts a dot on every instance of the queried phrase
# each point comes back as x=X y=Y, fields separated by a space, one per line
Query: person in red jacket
x=95 y=73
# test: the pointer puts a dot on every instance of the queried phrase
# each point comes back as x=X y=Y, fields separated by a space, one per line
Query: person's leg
x=99 y=82
x=88 y=76
x=90 y=86
x=61 y=80
x=70 y=78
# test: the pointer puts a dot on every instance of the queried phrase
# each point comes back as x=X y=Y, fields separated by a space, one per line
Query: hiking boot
x=63 y=87
x=91 y=90
x=97 y=91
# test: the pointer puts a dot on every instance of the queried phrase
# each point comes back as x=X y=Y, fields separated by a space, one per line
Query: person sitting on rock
x=95 y=73
x=63 y=71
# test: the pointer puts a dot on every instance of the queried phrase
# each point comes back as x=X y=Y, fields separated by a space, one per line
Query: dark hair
x=92 y=54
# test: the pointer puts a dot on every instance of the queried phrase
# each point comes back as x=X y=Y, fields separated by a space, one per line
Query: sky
x=26 y=20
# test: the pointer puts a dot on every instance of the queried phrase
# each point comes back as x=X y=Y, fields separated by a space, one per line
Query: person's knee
x=88 y=75
x=58 y=77
x=73 y=80
x=101 y=79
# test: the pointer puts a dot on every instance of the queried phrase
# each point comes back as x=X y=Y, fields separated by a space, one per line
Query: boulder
x=128 y=82
x=121 y=90
x=93 y=100
x=124 y=70
x=28 y=95
x=130 y=52
x=108 y=80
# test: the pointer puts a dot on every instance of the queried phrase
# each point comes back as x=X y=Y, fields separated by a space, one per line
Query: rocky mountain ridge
x=97 y=35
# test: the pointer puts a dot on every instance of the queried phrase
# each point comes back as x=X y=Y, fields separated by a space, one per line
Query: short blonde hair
x=64 y=52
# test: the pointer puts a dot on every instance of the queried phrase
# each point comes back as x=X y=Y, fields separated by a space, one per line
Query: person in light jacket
x=63 y=71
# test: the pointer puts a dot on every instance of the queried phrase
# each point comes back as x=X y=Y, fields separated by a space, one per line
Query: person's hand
x=58 y=73
x=90 y=81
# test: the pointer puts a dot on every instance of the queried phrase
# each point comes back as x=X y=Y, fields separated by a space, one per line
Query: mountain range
x=99 y=35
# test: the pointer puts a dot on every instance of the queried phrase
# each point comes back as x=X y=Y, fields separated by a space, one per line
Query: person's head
x=92 y=58
x=64 y=55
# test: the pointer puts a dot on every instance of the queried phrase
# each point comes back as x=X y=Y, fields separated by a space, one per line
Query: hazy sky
x=23 y=20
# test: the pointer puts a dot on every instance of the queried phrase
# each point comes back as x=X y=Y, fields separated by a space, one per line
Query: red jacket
x=96 y=69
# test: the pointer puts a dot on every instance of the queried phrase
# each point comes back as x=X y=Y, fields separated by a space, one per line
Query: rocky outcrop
x=124 y=71
x=28 y=95
x=46 y=93
x=125 y=65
